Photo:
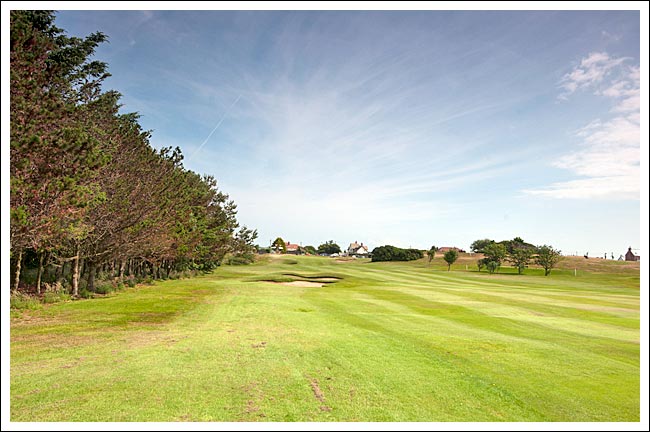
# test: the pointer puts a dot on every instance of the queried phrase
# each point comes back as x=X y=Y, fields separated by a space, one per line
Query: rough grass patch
x=54 y=297
x=18 y=300
x=104 y=288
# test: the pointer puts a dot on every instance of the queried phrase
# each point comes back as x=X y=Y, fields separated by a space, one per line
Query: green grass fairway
x=377 y=342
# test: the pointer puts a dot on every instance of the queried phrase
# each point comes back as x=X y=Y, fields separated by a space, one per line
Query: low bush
x=85 y=294
x=54 y=292
x=104 y=288
x=392 y=253
x=18 y=300
x=240 y=259
x=55 y=297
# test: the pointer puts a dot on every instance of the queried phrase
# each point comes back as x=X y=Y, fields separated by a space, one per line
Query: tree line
x=88 y=191
x=516 y=251
x=280 y=246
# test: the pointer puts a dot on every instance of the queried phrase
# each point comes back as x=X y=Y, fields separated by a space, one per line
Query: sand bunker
x=305 y=284
x=315 y=278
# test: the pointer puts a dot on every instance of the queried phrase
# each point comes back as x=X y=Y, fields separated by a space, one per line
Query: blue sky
x=407 y=128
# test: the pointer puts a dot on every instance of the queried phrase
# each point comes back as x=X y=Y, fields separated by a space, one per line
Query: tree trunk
x=19 y=261
x=41 y=258
x=75 y=275
x=91 y=276
x=59 y=272
x=122 y=264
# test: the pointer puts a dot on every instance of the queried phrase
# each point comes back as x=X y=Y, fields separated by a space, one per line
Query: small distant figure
x=612 y=255
x=605 y=255
x=586 y=255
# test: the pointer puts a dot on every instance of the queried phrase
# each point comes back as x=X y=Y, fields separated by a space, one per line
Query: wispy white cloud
x=398 y=127
x=364 y=143
x=608 y=161
x=608 y=158
x=610 y=36
x=613 y=187
x=591 y=71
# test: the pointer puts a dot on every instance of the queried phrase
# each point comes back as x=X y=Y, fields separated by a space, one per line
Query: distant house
x=357 y=250
x=448 y=248
x=629 y=256
x=294 y=249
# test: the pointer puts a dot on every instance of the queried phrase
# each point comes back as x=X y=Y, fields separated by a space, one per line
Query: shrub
x=85 y=294
x=240 y=259
x=104 y=288
x=392 y=253
x=55 y=287
x=492 y=266
x=18 y=300
x=186 y=274
x=53 y=297
x=54 y=293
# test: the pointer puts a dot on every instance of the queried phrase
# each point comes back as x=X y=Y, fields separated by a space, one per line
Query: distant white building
x=357 y=250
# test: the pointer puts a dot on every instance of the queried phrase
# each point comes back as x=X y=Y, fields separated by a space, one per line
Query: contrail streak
x=215 y=128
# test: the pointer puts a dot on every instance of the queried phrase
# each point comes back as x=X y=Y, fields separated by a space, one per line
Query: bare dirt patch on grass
x=254 y=397
x=318 y=394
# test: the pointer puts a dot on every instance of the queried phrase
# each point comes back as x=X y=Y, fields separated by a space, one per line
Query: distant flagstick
x=215 y=128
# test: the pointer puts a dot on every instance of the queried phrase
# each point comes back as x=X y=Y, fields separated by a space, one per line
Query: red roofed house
x=293 y=248
x=448 y=248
